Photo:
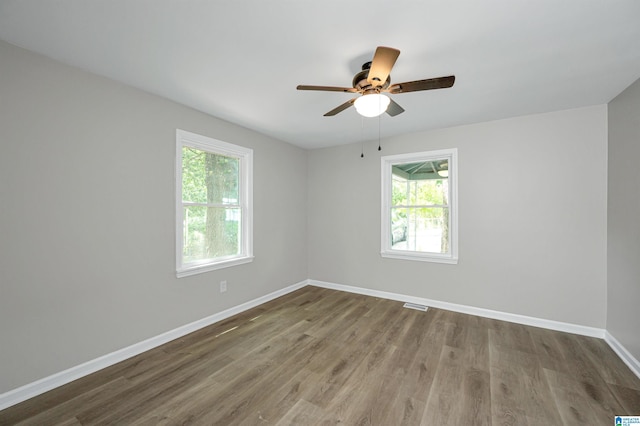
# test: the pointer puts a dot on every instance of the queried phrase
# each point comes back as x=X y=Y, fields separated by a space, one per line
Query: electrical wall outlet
x=223 y=286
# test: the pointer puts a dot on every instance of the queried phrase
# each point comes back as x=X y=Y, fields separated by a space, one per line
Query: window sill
x=207 y=267
x=421 y=257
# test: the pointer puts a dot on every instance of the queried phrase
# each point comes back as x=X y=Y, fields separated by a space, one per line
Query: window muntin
x=214 y=199
x=419 y=199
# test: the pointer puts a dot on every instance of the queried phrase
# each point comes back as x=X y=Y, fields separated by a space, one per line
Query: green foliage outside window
x=212 y=223
x=419 y=205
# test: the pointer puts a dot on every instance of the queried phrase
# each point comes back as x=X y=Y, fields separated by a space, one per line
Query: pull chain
x=361 y=137
x=379 y=118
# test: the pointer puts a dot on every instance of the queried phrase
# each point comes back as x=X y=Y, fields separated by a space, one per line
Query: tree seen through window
x=210 y=192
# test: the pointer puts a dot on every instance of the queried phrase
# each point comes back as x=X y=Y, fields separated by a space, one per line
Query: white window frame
x=387 y=163
x=245 y=187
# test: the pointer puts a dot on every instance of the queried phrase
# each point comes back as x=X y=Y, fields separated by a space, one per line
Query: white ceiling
x=240 y=60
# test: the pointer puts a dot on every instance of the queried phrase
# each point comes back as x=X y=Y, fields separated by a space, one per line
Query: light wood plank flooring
x=319 y=356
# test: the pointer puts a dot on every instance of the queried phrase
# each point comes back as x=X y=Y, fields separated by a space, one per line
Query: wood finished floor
x=319 y=356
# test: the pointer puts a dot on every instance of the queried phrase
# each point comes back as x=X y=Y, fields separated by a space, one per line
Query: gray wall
x=532 y=217
x=623 y=267
x=87 y=218
x=87 y=263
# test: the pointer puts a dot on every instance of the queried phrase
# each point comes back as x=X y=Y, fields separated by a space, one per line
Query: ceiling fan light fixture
x=375 y=78
x=443 y=173
x=372 y=105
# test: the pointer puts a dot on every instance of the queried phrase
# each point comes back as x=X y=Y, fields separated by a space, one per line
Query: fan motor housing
x=360 y=80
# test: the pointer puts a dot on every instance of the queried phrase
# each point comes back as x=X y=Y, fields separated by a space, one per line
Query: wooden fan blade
x=327 y=88
x=383 y=61
x=340 y=108
x=394 y=109
x=428 y=84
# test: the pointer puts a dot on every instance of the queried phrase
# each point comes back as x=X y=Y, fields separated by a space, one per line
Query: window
x=419 y=206
x=213 y=204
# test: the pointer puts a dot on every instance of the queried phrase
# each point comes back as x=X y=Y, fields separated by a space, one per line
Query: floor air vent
x=416 y=307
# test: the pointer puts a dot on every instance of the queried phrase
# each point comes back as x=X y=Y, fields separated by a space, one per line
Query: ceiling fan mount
x=374 y=78
x=360 y=80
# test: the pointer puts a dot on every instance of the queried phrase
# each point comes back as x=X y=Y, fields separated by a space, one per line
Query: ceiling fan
x=375 y=79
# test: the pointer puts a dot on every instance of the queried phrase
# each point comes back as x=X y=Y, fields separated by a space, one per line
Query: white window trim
x=385 y=245
x=184 y=138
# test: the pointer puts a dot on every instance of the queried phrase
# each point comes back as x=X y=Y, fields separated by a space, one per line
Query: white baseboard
x=43 y=385
x=471 y=310
x=38 y=387
x=617 y=347
x=623 y=353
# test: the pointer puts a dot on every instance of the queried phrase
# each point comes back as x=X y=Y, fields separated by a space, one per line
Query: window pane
x=400 y=192
x=420 y=229
x=399 y=228
x=429 y=192
x=210 y=232
x=209 y=178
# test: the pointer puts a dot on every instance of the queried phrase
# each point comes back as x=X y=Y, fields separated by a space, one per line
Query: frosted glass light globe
x=372 y=105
